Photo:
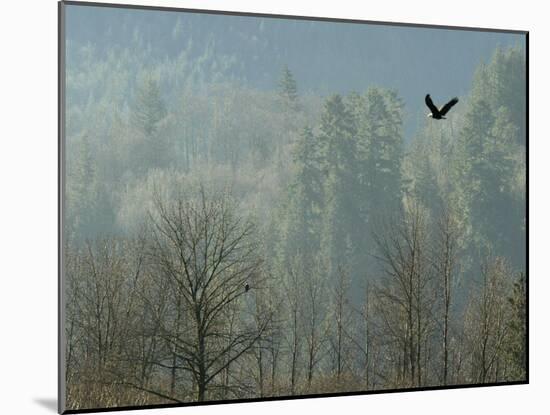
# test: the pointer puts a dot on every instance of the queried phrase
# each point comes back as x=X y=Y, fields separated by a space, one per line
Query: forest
x=227 y=241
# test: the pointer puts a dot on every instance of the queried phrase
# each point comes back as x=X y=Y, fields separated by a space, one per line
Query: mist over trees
x=231 y=241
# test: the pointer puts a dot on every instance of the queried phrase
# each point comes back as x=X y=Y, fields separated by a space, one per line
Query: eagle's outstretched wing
x=445 y=109
x=430 y=104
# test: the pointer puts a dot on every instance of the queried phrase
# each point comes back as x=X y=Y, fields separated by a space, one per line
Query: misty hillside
x=324 y=57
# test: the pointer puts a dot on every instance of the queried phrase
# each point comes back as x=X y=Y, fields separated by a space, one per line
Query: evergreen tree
x=148 y=112
x=89 y=210
x=304 y=200
x=478 y=122
x=337 y=137
x=483 y=188
x=502 y=84
x=291 y=114
x=424 y=186
x=340 y=234
x=149 y=108
x=380 y=151
x=288 y=90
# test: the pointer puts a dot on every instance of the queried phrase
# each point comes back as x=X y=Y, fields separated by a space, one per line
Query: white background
x=28 y=204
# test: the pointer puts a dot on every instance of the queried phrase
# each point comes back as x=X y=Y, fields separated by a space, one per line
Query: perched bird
x=436 y=113
x=246 y=287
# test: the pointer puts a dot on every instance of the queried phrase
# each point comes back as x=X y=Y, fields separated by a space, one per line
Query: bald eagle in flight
x=438 y=113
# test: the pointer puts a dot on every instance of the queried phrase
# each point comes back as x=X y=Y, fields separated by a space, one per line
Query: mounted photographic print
x=259 y=207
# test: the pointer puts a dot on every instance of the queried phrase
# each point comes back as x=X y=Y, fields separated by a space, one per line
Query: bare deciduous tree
x=315 y=314
x=294 y=293
x=208 y=254
x=486 y=321
x=405 y=293
x=341 y=323
x=444 y=260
